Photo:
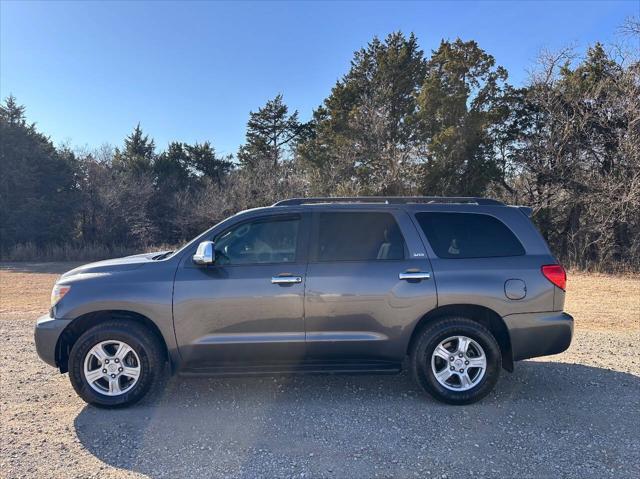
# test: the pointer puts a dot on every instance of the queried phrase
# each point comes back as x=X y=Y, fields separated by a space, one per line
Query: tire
x=145 y=358
x=468 y=387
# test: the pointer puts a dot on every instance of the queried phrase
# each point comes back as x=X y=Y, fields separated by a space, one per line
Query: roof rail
x=390 y=200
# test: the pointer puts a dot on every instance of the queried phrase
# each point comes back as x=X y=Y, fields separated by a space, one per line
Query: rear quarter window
x=468 y=235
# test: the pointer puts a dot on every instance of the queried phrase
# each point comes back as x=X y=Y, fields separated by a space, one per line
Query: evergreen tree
x=365 y=131
x=271 y=131
x=460 y=104
x=13 y=113
x=203 y=159
x=138 y=153
x=134 y=207
x=38 y=188
x=171 y=167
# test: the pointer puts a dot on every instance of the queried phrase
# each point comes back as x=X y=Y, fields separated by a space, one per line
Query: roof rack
x=390 y=200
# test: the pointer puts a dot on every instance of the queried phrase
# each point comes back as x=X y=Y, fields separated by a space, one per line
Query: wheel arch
x=480 y=314
x=86 y=321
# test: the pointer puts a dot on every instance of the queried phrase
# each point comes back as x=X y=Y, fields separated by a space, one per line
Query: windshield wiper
x=162 y=256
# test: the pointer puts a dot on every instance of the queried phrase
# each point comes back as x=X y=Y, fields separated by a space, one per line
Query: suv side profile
x=462 y=286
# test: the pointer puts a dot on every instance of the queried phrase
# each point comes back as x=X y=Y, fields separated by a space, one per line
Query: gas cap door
x=515 y=289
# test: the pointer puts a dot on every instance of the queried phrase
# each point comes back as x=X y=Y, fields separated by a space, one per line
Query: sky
x=88 y=72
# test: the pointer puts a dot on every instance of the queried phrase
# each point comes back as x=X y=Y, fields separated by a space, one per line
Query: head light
x=58 y=292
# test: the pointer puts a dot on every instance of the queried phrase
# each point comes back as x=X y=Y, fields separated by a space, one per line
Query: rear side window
x=468 y=235
x=358 y=237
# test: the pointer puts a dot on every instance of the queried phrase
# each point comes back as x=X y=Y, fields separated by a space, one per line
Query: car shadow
x=364 y=426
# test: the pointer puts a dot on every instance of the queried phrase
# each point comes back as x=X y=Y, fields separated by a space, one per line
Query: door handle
x=414 y=275
x=286 y=279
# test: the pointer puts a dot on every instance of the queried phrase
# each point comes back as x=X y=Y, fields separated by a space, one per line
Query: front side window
x=468 y=235
x=271 y=240
x=361 y=236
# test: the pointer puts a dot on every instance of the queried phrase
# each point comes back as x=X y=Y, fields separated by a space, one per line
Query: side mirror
x=205 y=254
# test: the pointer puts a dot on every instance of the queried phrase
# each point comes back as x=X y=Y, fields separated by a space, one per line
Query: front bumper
x=539 y=334
x=47 y=333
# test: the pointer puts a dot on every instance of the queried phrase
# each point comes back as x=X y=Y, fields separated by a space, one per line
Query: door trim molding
x=251 y=338
x=337 y=336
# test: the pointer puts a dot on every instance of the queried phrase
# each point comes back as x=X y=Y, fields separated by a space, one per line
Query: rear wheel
x=115 y=363
x=456 y=360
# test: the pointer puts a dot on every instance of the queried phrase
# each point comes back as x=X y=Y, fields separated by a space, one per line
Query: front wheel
x=115 y=363
x=456 y=360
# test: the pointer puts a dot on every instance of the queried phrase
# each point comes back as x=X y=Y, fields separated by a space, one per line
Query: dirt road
x=572 y=415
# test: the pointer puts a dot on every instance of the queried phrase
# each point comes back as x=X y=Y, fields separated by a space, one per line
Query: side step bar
x=230 y=370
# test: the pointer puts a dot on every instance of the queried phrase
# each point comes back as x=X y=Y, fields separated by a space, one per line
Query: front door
x=249 y=305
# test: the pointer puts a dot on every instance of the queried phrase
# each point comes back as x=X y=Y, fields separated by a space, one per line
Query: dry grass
x=25 y=292
x=604 y=302
x=597 y=301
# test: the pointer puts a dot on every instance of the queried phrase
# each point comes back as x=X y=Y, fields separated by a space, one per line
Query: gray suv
x=458 y=287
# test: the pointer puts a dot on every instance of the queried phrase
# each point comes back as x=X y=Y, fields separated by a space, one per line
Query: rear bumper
x=539 y=334
x=46 y=335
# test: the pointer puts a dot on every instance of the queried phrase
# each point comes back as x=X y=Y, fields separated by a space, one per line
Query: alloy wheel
x=459 y=363
x=112 y=367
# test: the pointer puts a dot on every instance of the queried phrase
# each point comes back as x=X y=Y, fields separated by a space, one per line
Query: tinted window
x=468 y=235
x=358 y=237
x=272 y=240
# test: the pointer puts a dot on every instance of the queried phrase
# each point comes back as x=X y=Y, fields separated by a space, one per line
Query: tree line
x=399 y=122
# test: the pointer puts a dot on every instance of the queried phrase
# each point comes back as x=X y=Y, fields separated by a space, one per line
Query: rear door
x=368 y=282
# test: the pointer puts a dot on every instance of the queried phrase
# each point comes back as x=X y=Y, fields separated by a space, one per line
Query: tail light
x=556 y=274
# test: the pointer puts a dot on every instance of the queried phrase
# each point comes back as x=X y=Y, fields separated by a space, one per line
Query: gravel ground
x=572 y=415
